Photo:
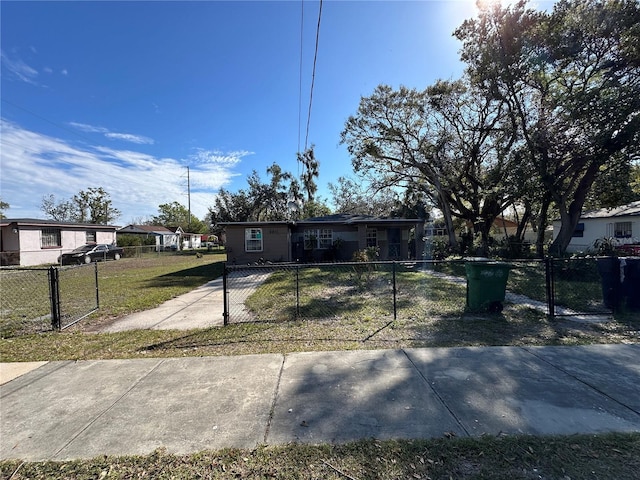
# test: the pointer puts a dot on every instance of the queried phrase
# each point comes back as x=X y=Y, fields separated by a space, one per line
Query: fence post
x=550 y=286
x=225 y=296
x=54 y=295
x=297 y=291
x=395 y=306
x=95 y=264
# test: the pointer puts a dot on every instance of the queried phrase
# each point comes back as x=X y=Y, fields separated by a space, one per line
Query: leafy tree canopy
x=174 y=214
x=547 y=111
x=91 y=206
x=3 y=206
x=280 y=198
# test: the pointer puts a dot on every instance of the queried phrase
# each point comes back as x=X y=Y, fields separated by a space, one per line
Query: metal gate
x=35 y=300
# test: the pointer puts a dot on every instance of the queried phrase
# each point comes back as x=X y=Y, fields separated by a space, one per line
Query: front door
x=394 y=236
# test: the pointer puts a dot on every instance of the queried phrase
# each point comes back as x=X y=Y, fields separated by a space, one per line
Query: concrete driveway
x=199 y=308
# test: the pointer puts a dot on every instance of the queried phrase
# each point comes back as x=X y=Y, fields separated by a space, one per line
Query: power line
x=300 y=78
x=313 y=75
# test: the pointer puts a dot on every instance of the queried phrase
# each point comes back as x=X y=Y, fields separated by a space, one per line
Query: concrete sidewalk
x=68 y=410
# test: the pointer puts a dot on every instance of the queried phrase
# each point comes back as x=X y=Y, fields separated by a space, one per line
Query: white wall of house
x=28 y=240
x=596 y=228
x=191 y=240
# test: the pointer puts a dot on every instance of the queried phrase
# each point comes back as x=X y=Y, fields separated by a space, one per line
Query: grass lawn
x=608 y=456
x=135 y=284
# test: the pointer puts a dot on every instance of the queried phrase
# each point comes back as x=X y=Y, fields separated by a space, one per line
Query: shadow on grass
x=188 y=277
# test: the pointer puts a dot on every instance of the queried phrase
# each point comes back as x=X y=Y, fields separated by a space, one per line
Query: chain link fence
x=78 y=294
x=407 y=290
x=25 y=301
x=34 y=300
x=585 y=286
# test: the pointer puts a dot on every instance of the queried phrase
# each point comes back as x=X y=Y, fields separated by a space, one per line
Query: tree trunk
x=541 y=224
x=445 y=208
x=570 y=211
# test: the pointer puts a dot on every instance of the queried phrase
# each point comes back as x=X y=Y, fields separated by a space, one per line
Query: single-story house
x=29 y=241
x=501 y=228
x=620 y=223
x=164 y=238
x=188 y=240
x=329 y=238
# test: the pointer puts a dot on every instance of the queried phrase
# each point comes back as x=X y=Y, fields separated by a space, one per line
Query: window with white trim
x=325 y=238
x=372 y=237
x=253 y=239
x=321 y=238
x=50 y=238
x=622 y=230
x=90 y=236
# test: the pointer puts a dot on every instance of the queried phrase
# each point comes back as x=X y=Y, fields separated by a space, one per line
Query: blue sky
x=127 y=95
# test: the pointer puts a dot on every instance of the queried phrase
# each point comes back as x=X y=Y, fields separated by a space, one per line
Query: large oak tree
x=571 y=79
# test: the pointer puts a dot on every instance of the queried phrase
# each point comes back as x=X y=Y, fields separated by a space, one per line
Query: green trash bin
x=486 y=284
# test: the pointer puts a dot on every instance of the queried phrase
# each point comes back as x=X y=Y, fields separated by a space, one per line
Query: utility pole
x=189 y=199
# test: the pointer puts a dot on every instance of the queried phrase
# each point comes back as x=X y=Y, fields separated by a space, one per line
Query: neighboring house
x=502 y=228
x=164 y=238
x=190 y=240
x=621 y=223
x=28 y=241
x=330 y=238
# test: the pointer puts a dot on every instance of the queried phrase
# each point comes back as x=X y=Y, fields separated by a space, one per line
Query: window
x=372 y=237
x=325 y=238
x=50 y=238
x=91 y=237
x=253 y=240
x=321 y=239
x=579 y=231
x=310 y=239
x=622 y=230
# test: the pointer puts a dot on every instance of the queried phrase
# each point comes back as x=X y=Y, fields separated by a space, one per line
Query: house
x=189 y=241
x=28 y=241
x=621 y=223
x=162 y=237
x=330 y=238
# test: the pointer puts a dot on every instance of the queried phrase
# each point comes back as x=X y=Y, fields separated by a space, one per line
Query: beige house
x=28 y=241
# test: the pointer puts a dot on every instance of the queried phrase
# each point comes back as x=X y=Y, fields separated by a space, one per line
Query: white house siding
x=27 y=241
x=596 y=228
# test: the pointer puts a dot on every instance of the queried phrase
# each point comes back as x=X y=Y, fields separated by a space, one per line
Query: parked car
x=91 y=253
x=632 y=249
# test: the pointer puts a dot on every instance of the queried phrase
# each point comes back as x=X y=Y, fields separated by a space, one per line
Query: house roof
x=148 y=229
x=630 y=209
x=504 y=223
x=36 y=222
x=352 y=219
x=278 y=222
x=336 y=219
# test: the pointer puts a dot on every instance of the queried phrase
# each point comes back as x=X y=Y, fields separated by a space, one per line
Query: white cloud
x=216 y=157
x=88 y=128
x=34 y=165
x=19 y=69
x=127 y=137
